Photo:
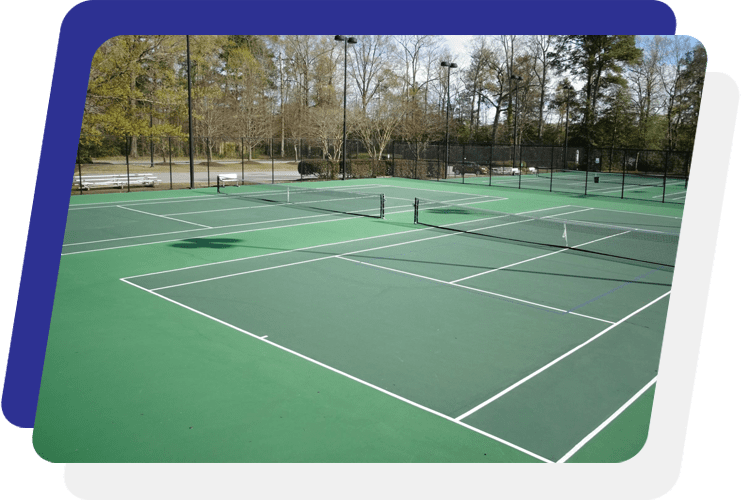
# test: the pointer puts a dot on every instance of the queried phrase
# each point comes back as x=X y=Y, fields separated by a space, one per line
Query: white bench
x=223 y=179
x=505 y=170
x=114 y=180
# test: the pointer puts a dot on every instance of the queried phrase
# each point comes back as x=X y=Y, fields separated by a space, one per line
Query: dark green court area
x=195 y=326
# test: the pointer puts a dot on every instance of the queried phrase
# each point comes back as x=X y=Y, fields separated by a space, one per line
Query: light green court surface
x=192 y=327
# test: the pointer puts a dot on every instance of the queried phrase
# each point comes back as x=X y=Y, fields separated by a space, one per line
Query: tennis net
x=337 y=200
x=638 y=245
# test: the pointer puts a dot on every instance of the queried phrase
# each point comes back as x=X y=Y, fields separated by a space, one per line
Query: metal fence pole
x=416 y=158
x=272 y=162
x=169 y=152
x=242 y=155
x=625 y=167
x=553 y=156
x=128 y=178
x=519 y=177
x=208 y=162
x=393 y=159
x=463 y=164
x=688 y=158
x=79 y=169
x=666 y=169
x=586 y=179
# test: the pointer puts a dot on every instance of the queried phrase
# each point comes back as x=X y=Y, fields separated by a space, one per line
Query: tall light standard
x=517 y=80
x=449 y=65
x=567 y=88
x=190 y=115
x=346 y=40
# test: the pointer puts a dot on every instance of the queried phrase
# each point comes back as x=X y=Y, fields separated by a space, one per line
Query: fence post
x=666 y=169
x=688 y=157
x=169 y=152
x=519 y=177
x=128 y=178
x=416 y=157
x=241 y=154
x=208 y=162
x=586 y=178
x=79 y=168
x=393 y=158
x=553 y=156
x=625 y=167
x=272 y=162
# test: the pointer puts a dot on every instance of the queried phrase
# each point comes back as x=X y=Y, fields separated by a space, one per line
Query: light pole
x=568 y=90
x=346 y=40
x=190 y=114
x=517 y=80
x=449 y=65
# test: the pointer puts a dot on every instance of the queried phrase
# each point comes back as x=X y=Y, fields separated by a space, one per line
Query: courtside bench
x=223 y=179
x=88 y=182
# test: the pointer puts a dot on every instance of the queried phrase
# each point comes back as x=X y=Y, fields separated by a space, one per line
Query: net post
x=383 y=206
x=416 y=210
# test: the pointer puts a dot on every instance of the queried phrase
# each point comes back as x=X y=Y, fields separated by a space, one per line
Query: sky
x=457 y=44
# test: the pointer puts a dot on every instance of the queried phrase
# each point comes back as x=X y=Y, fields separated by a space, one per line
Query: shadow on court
x=216 y=243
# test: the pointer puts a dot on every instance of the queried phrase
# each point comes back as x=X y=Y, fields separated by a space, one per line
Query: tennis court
x=372 y=320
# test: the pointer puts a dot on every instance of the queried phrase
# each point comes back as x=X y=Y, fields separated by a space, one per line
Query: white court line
x=569 y=213
x=344 y=374
x=536 y=258
x=563 y=356
x=308 y=248
x=604 y=424
x=245 y=231
x=288 y=204
x=638 y=213
x=611 y=190
x=165 y=217
x=306 y=261
x=678 y=193
x=206 y=236
x=471 y=289
x=115 y=204
x=447 y=235
x=219 y=227
x=185 y=199
x=191 y=230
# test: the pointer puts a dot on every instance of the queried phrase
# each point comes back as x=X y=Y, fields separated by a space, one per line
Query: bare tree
x=541 y=47
x=370 y=67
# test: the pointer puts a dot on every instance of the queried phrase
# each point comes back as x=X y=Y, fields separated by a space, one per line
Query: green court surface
x=191 y=326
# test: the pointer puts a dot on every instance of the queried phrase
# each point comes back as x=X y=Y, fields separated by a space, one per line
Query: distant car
x=468 y=167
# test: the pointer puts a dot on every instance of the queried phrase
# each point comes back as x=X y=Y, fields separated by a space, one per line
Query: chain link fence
x=134 y=163
x=650 y=175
